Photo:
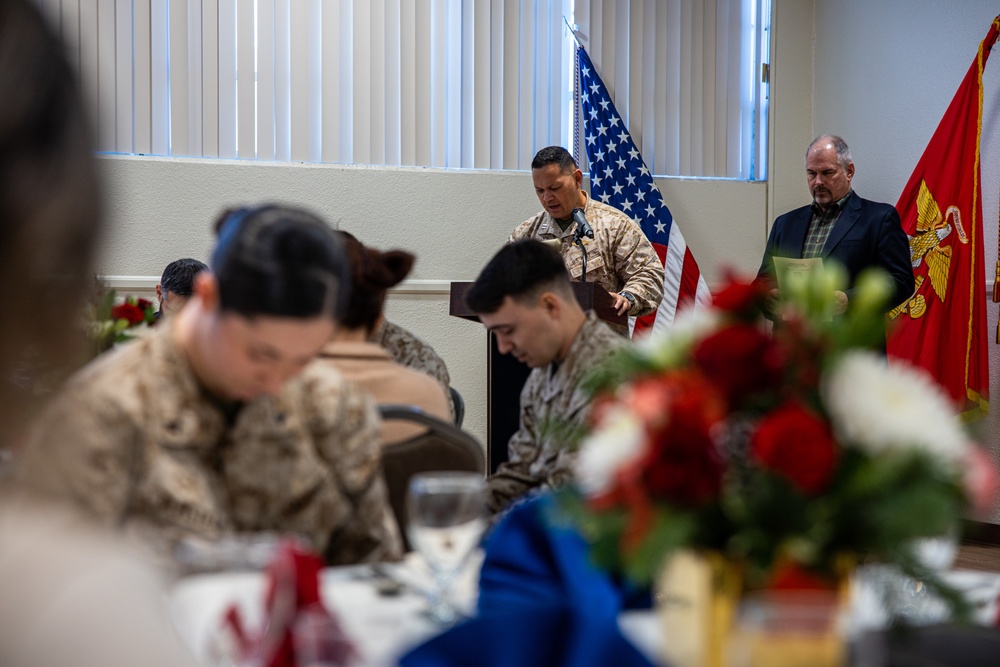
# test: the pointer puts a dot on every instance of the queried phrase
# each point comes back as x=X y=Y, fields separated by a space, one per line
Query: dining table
x=382 y=608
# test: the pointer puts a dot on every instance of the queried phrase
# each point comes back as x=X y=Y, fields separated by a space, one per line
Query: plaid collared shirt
x=820 y=225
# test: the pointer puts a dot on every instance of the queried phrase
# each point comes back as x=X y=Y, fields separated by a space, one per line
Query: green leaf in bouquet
x=604 y=536
x=601 y=530
x=871 y=476
x=919 y=511
x=570 y=434
x=862 y=326
x=618 y=369
x=810 y=294
x=668 y=532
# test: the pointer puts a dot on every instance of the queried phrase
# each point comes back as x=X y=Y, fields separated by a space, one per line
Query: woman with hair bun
x=219 y=422
x=367 y=364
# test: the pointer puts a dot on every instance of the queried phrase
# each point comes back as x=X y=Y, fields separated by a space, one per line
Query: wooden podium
x=505 y=375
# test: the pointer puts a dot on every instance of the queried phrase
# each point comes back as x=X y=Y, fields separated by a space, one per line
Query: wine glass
x=445 y=522
x=922 y=606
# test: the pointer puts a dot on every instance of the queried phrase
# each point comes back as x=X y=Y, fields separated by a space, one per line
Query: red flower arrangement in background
x=113 y=322
x=133 y=313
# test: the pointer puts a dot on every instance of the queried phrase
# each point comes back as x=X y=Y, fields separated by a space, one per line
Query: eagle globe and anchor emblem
x=926 y=247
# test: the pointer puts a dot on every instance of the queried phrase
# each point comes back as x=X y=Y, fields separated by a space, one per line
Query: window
x=686 y=78
x=444 y=83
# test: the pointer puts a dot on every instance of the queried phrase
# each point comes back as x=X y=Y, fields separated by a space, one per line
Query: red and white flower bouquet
x=790 y=452
x=116 y=320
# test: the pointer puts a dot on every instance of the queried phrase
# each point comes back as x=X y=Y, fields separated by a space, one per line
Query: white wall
x=885 y=71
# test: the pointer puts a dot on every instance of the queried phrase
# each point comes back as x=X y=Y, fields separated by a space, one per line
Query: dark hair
x=49 y=206
x=278 y=261
x=178 y=276
x=554 y=155
x=521 y=270
x=372 y=273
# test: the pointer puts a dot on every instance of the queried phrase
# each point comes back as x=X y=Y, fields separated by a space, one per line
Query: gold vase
x=697 y=595
x=789 y=628
x=709 y=619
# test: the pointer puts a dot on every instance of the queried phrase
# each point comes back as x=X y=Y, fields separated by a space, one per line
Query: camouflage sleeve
x=351 y=447
x=639 y=269
x=85 y=451
x=431 y=364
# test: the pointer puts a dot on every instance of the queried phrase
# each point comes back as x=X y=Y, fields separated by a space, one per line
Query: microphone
x=582 y=226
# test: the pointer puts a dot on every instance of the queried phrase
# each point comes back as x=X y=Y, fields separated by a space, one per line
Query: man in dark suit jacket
x=839 y=225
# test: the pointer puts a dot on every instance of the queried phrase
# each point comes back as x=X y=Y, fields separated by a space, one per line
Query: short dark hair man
x=177 y=284
x=619 y=258
x=524 y=297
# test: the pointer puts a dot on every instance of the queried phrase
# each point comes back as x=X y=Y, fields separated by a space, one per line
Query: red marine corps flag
x=942 y=327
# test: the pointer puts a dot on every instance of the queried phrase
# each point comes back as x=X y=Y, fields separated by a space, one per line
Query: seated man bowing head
x=524 y=297
x=219 y=422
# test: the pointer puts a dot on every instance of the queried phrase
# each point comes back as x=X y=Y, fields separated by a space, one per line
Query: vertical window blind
x=685 y=76
x=443 y=83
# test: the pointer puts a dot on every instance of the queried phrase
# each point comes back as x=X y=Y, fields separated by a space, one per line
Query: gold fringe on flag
x=996 y=278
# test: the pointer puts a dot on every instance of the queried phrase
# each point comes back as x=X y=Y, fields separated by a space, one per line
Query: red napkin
x=292 y=603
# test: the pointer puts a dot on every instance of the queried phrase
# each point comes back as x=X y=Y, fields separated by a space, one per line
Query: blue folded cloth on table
x=541 y=603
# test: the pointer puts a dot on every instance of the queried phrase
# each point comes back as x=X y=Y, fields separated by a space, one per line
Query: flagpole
x=577 y=145
x=573 y=31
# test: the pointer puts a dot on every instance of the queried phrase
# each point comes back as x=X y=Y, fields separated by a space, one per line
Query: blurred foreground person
x=367 y=364
x=69 y=593
x=218 y=423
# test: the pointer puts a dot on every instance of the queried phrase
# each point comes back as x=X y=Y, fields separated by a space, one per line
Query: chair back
x=458 y=404
x=443 y=447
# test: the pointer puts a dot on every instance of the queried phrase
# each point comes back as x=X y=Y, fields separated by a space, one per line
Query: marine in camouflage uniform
x=408 y=350
x=539 y=459
x=135 y=441
x=619 y=258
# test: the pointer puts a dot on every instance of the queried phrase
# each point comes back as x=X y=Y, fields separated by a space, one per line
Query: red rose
x=796 y=443
x=741 y=297
x=128 y=311
x=741 y=360
x=684 y=465
x=144 y=304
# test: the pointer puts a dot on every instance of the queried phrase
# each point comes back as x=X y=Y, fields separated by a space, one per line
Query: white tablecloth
x=385 y=627
x=382 y=627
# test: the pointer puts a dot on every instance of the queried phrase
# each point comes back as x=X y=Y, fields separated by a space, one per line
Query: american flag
x=619 y=178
